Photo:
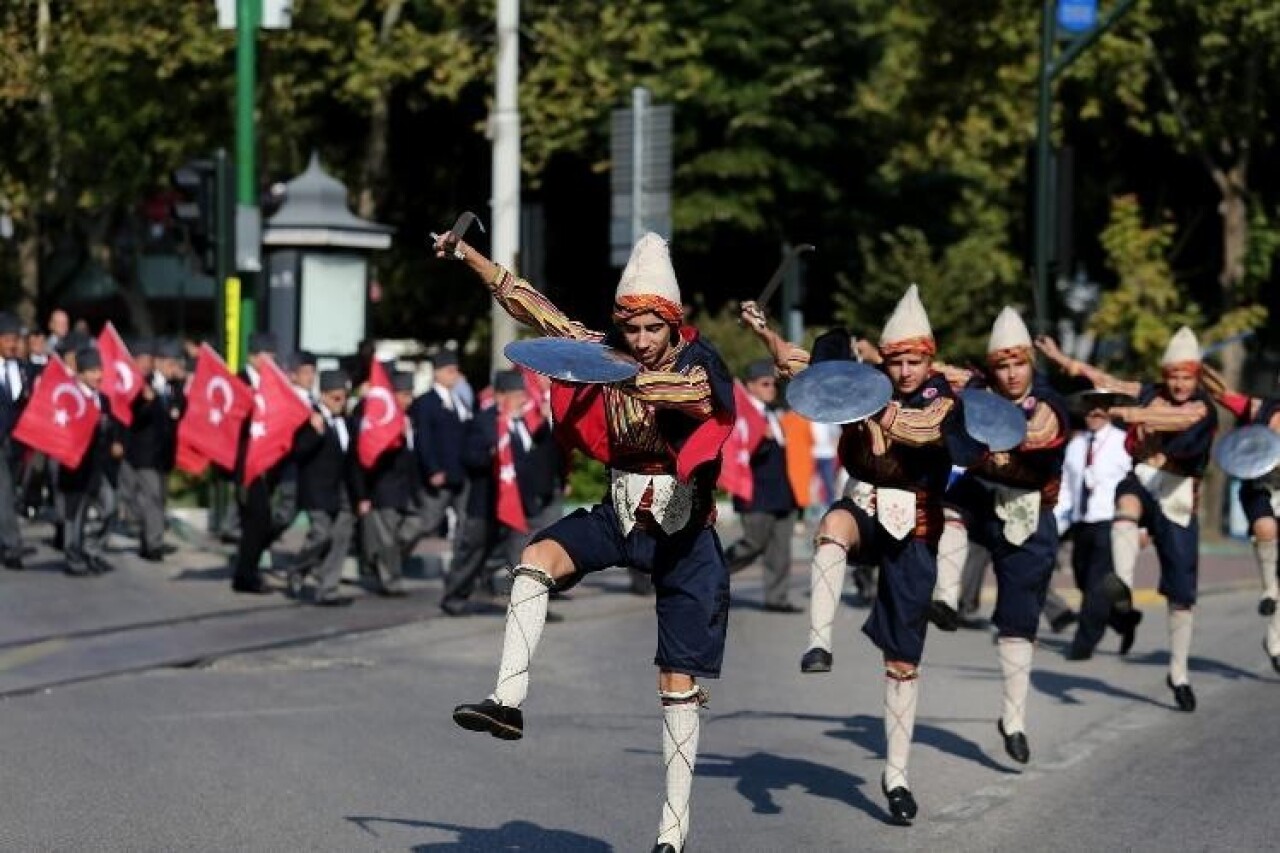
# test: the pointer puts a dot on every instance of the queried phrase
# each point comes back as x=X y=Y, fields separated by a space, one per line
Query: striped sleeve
x=1044 y=429
x=917 y=427
x=526 y=305
x=1168 y=418
x=687 y=391
x=1103 y=380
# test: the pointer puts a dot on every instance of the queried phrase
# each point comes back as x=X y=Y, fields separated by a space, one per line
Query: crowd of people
x=914 y=497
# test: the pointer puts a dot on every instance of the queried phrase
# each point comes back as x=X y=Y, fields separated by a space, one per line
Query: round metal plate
x=993 y=420
x=839 y=392
x=1083 y=401
x=1248 y=452
x=586 y=362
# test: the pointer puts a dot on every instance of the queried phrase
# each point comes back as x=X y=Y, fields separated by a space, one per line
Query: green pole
x=1044 y=189
x=248 y=16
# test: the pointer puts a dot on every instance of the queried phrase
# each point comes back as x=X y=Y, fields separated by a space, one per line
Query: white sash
x=1175 y=493
x=671 y=505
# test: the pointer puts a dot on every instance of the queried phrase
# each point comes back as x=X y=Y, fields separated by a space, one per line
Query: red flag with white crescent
x=217 y=404
x=121 y=379
x=60 y=418
x=382 y=423
x=748 y=431
x=278 y=411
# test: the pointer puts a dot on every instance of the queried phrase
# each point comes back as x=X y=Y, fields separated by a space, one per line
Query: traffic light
x=205 y=207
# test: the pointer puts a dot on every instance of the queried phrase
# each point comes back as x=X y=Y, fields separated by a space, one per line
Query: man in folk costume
x=902 y=459
x=514 y=489
x=769 y=516
x=661 y=434
x=1005 y=503
x=1260 y=500
x=1170 y=434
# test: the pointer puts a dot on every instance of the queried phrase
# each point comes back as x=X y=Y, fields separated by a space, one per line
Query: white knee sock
x=900 y=696
x=1015 y=664
x=1125 y=545
x=1266 y=552
x=1181 y=624
x=953 y=550
x=526 y=616
x=1273 y=634
x=680 y=728
x=826 y=582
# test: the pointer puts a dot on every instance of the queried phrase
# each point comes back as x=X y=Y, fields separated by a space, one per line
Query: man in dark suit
x=323 y=453
x=385 y=501
x=439 y=417
x=151 y=446
x=93 y=482
x=15 y=390
x=768 y=519
x=258 y=528
x=536 y=469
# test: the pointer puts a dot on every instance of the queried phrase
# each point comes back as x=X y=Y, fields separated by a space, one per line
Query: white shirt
x=826 y=437
x=771 y=417
x=339 y=426
x=453 y=402
x=1109 y=465
x=13 y=378
x=254 y=379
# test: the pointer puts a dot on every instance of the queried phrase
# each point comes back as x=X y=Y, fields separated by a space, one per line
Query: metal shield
x=586 y=362
x=1248 y=452
x=1083 y=401
x=839 y=392
x=993 y=420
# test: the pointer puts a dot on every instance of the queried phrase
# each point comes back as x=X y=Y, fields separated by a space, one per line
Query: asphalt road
x=346 y=744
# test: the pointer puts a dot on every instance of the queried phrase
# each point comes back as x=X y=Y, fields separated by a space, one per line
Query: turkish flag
x=217 y=404
x=748 y=431
x=60 y=418
x=510 y=507
x=189 y=459
x=381 y=421
x=121 y=379
x=278 y=411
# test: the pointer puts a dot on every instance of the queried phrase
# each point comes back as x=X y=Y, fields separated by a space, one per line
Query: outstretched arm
x=787 y=357
x=1100 y=379
x=1242 y=406
x=516 y=296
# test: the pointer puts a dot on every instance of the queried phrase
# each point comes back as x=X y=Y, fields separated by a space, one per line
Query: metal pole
x=639 y=108
x=248 y=15
x=1043 y=187
x=505 y=205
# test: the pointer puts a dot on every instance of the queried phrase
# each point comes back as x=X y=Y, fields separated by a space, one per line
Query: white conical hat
x=649 y=272
x=908 y=320
x=1008 y=332
x=1183 y=347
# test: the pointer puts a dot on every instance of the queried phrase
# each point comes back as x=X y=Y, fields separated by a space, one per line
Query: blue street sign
x=1077 y=16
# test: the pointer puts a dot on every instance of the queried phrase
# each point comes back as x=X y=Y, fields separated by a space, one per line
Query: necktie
x=1085 y=476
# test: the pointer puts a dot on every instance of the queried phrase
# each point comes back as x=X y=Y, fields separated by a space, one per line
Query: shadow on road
x=759 y=774
x=516 y=835
x=1062 y=687
x=1198 y=664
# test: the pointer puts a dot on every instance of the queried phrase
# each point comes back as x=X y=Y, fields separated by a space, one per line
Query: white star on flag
x=507 y=474
x=60 y=417
x=215 y=416
x=257 y=429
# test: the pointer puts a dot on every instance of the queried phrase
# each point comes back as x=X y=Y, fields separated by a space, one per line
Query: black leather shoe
x=293 y=584
x=1129 y=631
x=455 y=607
x=13 y=564
x=334 y=601
x=944 y=616
x=1015 y=744
x=77 y=571
x=816 y=660
x=1183 y=695
x=101 y=566
x=1267 y=607
x=1063 y=621
x=1075 y=652
x=902 y=806
x=786 y=607
x=1275 y=659
x=258 y=588
x=498 y=720
x=150 y=556
x=664 y=848
x=392 y=592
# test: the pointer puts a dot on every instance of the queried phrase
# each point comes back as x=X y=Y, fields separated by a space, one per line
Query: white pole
x=504 y=125
x=639 y=108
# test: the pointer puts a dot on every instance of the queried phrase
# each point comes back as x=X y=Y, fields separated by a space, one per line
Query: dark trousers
x=10 y=538
x=765 y=536
x=1090 y=563
x=480 y=537
x=326 y=546
x=85 y=546
x=257 y=531
x=387 y=536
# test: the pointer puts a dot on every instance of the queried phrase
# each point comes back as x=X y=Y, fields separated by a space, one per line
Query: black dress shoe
x=944 y=616
x=816 y=660
x=393 y=592
x=150 y=556
x=488 y=716
x=1015 y=744
x=664 y=848
x=1063 y=621
x=101 y=566
x=293 y=584
x=1075 y=652
x=1275 y=659
x=1129 y=630
x=77 y=571
x=1267 y=607
x=334 y=601
x=786 y=607
x=258 y=588
x=902 y=806
x=13 y=564
x=455 y=607
x=1183 y=695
